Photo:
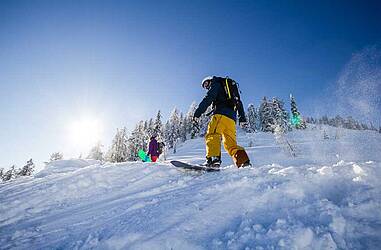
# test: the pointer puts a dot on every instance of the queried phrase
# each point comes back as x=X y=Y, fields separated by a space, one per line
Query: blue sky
x=121 y=61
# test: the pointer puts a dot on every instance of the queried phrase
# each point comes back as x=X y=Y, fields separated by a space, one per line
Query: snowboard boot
x=241 y=159
x=213 y=162
x=246 y=164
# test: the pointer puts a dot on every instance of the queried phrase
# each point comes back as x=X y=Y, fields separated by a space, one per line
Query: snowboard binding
x=213 y=162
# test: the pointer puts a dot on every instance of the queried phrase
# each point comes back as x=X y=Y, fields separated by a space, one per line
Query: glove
x=244 y=125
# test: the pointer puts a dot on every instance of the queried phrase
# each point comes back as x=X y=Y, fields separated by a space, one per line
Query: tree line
x=341 y=122
x=271 y=116
x=14 y=172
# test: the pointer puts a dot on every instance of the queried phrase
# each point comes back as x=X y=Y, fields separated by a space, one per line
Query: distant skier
x=153 y=149
x=223 y=94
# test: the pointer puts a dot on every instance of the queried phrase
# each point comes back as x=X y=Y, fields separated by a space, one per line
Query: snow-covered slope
x=328 y=197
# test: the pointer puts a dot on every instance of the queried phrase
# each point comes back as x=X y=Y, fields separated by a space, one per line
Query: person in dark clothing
x=153 y=149
x=226 y=103
x=160 y=148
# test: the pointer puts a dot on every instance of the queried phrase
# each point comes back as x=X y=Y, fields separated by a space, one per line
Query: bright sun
x=84 y=133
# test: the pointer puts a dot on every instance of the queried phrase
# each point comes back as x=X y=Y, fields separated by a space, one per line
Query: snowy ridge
x=65 y=166
x=329 y=197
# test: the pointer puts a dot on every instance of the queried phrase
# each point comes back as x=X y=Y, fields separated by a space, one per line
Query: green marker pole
x=295 y=120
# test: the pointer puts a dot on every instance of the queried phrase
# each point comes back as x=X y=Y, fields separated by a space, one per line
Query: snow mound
x=64 y=166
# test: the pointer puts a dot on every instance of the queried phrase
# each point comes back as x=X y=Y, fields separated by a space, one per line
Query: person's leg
x=229 y=136
x=237 y=152
x=213 y=137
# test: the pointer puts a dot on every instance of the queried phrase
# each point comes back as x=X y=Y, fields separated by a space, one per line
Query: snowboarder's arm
x=211 y=95
x=241 y=112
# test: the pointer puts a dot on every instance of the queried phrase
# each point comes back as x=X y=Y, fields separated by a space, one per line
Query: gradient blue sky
x=121 y=61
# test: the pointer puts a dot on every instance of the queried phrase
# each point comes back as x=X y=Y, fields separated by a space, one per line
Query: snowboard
x=180 y=164
x=143 y=156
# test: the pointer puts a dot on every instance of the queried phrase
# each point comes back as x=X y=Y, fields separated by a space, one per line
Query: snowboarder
x=223 y=94
x=153 y=148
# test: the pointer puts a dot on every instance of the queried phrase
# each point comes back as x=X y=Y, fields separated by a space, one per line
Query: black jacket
x=216 y=95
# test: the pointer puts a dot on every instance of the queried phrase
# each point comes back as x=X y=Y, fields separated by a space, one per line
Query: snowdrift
x=64 y=166
x=328 y=197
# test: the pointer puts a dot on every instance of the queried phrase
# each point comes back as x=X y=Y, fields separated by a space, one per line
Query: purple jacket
x=153 y=146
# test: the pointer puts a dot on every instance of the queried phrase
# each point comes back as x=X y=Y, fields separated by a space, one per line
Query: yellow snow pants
x=221 y=126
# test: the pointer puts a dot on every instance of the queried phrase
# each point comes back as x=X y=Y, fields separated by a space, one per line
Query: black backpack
x=232 y=92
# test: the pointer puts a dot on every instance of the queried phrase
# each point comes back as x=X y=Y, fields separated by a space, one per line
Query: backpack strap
x=227 y=88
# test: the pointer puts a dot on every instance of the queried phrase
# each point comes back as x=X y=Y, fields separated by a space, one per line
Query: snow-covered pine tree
x=358 y=125
x=204 y=121
x=267 y=120
x=147 y=132
x=174 y=131
x=1 y=173
x=27 y=170
x=364 y=126
x=252 y=118
x=145 y=136
x=258 y=126
x=379 y=130
x=56 y=156
x=10 y=174
x=312 y=120
x=167 y=133
x=192 y=130
x=142 y=136
x=96 y=152
x=372 y=127
x=158 y=125
x=324 y=120
x=296 y=119
x=280 y=114
x=118 y=151
x=133 y=146
x=339 y=121
x=138 y=140
x=151 y=127
x=331 y=122
x=183 y=127
x=349 y=123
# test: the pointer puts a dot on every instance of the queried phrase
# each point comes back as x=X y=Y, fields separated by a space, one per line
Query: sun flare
x=84 y=133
